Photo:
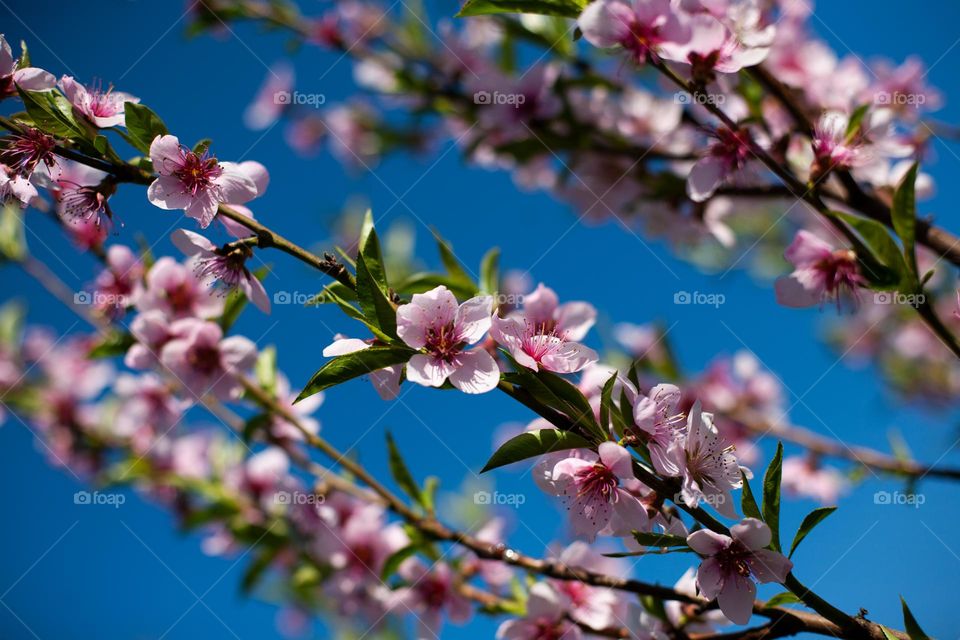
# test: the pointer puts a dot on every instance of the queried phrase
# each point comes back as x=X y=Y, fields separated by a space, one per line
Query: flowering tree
x=747 y=131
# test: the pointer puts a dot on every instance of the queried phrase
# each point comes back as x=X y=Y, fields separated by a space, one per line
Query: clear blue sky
x=74 y=571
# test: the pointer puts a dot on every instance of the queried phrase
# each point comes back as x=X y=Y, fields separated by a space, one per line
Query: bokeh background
x=84 y=571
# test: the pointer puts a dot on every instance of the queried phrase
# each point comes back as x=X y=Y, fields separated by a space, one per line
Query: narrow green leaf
x=904 y=215
x=266 y=369
x=256 y=569
x=374 y=303
x=401 y=474
x=255 y=425
x=532 y=444
x=649 y=539
x=24 y=61
x=490 y=272
x=880 y=258
x=115 y=343
x=372 y=253
x=783 y=598
x=887 y=634
x=553 y=391
x=51 y=113
x=771 y=496
x=429 y=493
x=911 y=626
x=606 y=401
x=811 y=520
x=748 y=503
x=353 y=365
x=565 y=8
x=451 y=263
x=143 y=125
x=393 y=562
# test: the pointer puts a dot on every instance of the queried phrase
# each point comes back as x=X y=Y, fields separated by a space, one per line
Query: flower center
x=597 y=482
x=733 y=559
x=444 y=341
x=197 y=172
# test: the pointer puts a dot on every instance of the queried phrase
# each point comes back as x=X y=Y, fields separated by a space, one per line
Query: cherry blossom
x=708 y=466
x=176 y=290
x=434 y=324
x=546 y=334
x=103 y=108
x=203 y=360
x=601 y=493
x=645 y=28
x=27 y=78
x=659 y=421
x=730 y=563
x=821 y=273
x=545 y=619
x=224 y=267
x=197 y=183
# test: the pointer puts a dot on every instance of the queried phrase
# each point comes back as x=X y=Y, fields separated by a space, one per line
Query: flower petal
x=477 y=372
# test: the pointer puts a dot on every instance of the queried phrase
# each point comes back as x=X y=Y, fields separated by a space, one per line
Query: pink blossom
x=645 y=28
x=177 y=291
x=545 y=334
x=805 y=476
x=820 y=273
x=434 y=324
x=386 y=381
x=601 y=493
x=103 y=108
x=272 y=99
x=728 y=155
x=430 y=593
x=151 y=330
x=27 y=78
x=708 y=466
x=120 y=283
x=596 y=607
x=196 y=183
x=690 y=617
x=225 y=266
x=148 y=407
x=659 y=421
x=13 y=186
x=731 y=561
x=203 y=360
x=833 y=147
x=27 y=150
x=546 y=618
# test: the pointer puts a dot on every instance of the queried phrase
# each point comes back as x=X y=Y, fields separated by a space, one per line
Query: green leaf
x=429 y=493
x=880 y=258
x=401 y=474
x=374 y=303
x=532 y=444
x=454 y=269
x=24 y=60
x=255 y=425
x=232 y=308
x=13 y=239
x=911 y=626
x=783 y=598
x=12 y=315
x=259 y=566
x=565 y=8
x=606 y=401
x=904 y=215
x=369 y=245
x=856 y=120
x=887 y=634
x=811 y=520
x=771 y=496
x=52 y=113
x=143 y=125
x=553 y=391
x=748 y=503
x=649 y=539
x=353 y=365
x=266 y=369
x=424 y=281
x=113 y=344
x=490 y=272
x=393 y=562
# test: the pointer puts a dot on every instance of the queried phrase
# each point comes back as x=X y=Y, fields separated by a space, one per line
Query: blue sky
x=74 y=571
